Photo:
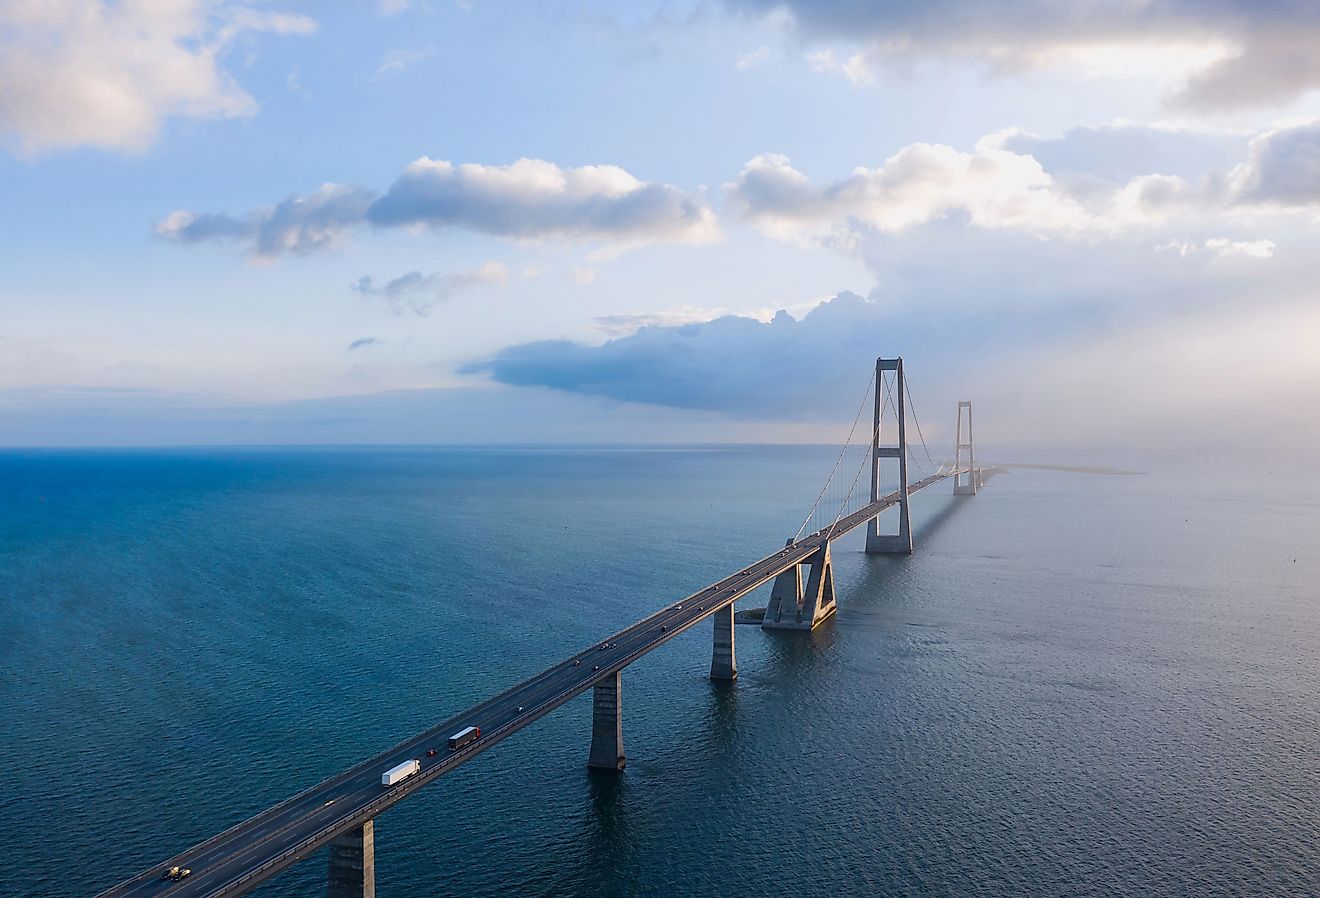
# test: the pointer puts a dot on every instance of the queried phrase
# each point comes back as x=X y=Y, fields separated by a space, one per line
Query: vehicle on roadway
x=175 y=874
x=431 y=752
x=400 y=772
x=463 y=737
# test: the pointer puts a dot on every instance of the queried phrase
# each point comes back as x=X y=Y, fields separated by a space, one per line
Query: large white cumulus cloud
x=992 y=187
x=97 y=73
x=1233 y=53
x=1283 y=168
x=996 y=186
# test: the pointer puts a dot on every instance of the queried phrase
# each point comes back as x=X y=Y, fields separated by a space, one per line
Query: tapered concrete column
x=723 y=664
x=353 y=863
x=607 y=725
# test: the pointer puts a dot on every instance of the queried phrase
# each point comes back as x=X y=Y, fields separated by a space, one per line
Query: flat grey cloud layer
x=784 y=368
x=1269 y=47
x=527 y=200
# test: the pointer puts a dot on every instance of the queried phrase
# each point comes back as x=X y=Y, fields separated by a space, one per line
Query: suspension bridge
x=340 y=811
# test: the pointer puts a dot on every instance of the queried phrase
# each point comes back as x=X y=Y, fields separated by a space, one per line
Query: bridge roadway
x=237 y=859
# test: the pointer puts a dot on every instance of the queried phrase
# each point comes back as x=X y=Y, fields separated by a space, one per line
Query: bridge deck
x=258 y=848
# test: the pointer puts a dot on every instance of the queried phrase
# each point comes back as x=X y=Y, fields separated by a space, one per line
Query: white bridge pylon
x=899 y=543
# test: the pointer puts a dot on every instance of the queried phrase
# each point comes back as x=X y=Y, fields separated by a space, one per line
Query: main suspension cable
x=838 y=460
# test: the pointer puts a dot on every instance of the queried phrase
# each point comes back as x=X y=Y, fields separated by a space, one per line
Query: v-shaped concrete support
x=794 y=606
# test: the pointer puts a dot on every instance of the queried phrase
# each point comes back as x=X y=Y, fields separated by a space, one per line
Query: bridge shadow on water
x=610 y=848
x=883 y=570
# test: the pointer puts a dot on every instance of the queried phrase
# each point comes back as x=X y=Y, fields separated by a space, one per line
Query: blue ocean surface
x=1078 y=685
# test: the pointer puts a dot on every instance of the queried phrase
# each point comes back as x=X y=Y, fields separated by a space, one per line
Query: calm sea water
x=1078 y=685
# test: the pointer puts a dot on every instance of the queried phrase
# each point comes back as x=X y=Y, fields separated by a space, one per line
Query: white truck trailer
x=400 y=772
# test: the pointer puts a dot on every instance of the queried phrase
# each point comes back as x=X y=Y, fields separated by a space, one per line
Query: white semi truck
x=400 y=772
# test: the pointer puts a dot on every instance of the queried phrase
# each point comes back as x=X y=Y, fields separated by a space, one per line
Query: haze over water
x=1077 y=685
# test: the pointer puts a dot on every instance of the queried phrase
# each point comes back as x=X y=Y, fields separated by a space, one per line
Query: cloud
x=527 y=200
x=992 y=187
x=997 y=186
x=1118 y=152
x=93 y=73
x=419 y=293
x=580 y=277
x=293 y=83
x=1226 y=54
x=363 y=343
x=783 y=368
x=1164 y=383
x=396 y=60
x=298 y=224
x=752 y=59
x=1283 y=168
x=621 y=325
x=532 y=198
x=1220 y=246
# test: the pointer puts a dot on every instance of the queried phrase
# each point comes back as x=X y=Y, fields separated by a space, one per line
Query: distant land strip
x=1072 y=469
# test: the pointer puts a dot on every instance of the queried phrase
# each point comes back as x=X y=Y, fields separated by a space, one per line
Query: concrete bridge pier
x=607 y=725
x=353 y=863
x=795 y=607
x=723 y=664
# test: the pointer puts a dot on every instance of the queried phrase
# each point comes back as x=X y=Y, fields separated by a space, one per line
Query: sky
x=384 y=221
